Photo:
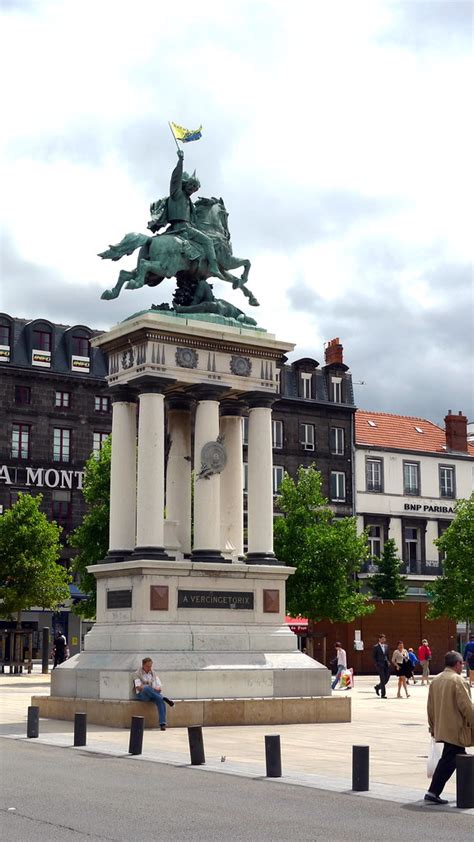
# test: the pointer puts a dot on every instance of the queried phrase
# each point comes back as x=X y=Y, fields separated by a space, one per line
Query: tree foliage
x=326 y=551
x=29 y=552
x=388 y=583
x=91 y=538
x=453 y=593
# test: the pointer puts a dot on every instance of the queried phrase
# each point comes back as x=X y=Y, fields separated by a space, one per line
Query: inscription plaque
x=119 y=599
x=216 y=599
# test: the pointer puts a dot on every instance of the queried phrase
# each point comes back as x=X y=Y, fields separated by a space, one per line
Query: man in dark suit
x=382 y=665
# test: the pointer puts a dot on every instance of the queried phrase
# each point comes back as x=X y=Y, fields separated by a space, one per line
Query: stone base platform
x=205 y=712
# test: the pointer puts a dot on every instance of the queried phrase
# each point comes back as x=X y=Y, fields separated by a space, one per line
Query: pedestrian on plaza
x=450 y=721
x=468 y=658
x=380 y=655
x=401 y=663
x=341 y=664
x=148 y=689
x=424 y=657
x=60 y=651
x=413 y=664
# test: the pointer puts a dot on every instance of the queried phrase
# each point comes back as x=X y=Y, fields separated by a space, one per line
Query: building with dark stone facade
x=55 y=411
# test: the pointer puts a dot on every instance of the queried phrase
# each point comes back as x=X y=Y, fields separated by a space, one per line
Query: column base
x=209 y=556
x=262 y=558
x=114 y=556
x=151 y=553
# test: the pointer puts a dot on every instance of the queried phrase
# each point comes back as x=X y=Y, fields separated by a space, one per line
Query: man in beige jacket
x=450 y=721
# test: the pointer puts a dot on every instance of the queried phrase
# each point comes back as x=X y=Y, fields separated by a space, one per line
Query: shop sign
x=41 y=477
x=42 y=359
x=419 y=507
x=81 y=364
x=4 y=353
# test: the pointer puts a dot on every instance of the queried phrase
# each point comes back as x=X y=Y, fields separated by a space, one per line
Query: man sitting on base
x=148 y=689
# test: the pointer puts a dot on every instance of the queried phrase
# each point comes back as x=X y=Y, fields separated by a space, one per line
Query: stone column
x=207 y=509
x=178 y=474
x=123 y=475
x=232 y=506
x=260 y=481
x=151 y=473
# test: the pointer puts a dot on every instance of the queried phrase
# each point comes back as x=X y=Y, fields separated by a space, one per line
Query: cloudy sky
x=338 y=133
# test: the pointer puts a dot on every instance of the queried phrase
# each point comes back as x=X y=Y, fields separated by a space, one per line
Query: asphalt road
x=66 y=794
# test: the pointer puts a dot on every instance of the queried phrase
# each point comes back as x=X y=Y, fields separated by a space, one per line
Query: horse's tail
x=128 y=245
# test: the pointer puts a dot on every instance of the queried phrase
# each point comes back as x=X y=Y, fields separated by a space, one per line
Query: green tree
x=452 y=593
x=326 y=551
x=29 y=552
x=91 y=538
x=388 y=583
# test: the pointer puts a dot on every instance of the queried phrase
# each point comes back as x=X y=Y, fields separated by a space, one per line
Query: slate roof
x=400 y=432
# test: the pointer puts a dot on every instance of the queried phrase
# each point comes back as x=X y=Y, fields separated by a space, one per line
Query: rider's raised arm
x=176 y=182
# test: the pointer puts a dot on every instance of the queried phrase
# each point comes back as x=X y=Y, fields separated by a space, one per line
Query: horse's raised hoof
x=253 y=301
x=108 y=294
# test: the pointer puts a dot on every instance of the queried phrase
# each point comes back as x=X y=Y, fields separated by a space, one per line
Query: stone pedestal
x=210 y=616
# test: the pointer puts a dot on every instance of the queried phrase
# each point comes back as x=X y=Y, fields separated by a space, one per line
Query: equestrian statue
x=188 y=241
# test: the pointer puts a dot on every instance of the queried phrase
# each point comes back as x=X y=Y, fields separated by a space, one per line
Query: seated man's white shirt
x=146 y=678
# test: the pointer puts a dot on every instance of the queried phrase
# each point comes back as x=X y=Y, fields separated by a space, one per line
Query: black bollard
x=80 y=729
x=45 y=651
x=136 y=735
x=273 y=756
x=465 y=781
x=360 y=768
x=32 y=727
x=196 y=745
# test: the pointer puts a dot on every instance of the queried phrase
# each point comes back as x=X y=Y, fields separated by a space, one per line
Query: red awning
x=297 y=623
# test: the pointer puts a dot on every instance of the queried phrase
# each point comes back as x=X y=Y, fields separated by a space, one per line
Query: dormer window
x=5 y=341
x=306 y=385
x=336 y=383
x=42 y=340
x=42 y=344
x=80 y=352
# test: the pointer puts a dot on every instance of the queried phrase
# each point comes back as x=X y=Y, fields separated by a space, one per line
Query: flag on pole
x=185 y=135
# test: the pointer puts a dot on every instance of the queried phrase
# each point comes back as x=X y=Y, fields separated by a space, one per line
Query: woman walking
x=424 y=657
x=401 y=662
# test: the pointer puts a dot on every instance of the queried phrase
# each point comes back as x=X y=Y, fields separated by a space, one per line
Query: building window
x=374 y=475
x=61 y=444
x=306 y=385
x=412 y=547
x=42 y=340
x=446 y=481
x=375 y=540
x=245 y=477
x=98 y=440
x=336 y=441
x=62 y=508
x=20 y=441
x=62 y=399
x=22 y=394
x=80 y=346
x=102 y=404
x=277 y=435
x=278 y=474
x=336 y=383
x=245 y=431
x=307 y=436
x=4 y=333
x=411 y=478
x=338 y=486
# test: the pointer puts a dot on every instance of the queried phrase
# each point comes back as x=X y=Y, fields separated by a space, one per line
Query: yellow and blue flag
x=185 y=135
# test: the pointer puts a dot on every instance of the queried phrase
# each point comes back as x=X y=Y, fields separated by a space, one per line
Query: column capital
x=260 y=400
x=123 y=394
x=229 y=408
x=179 y=401
x=148 y=384
x=208 y=392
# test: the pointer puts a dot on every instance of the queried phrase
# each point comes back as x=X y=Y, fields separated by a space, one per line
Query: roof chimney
x=333 y=352
x=456 y=432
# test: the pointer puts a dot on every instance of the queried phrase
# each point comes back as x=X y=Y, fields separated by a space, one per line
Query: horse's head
x=212 y=215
